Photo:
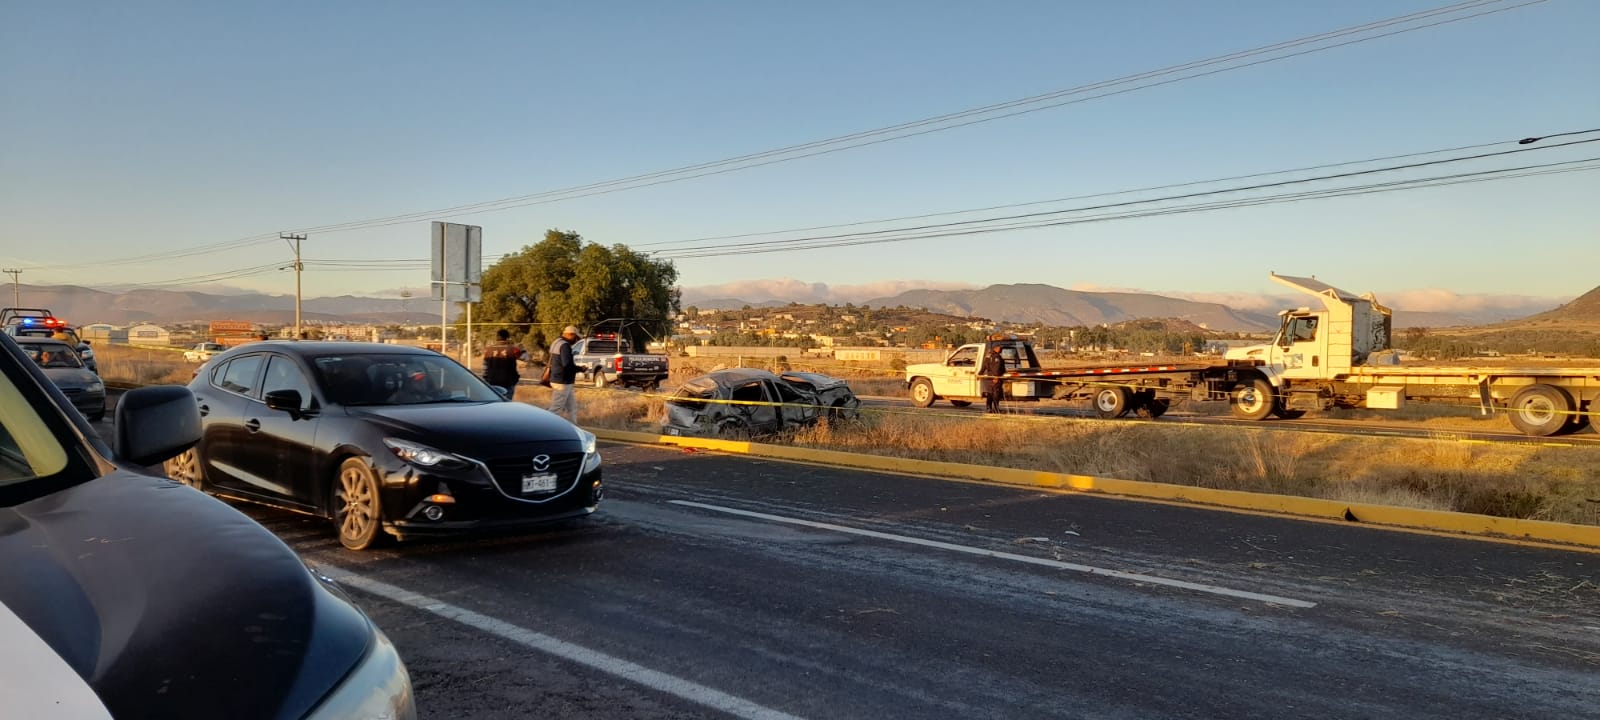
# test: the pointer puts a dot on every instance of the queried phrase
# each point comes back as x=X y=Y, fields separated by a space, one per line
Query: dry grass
x=122 y=363
x=1560 y=484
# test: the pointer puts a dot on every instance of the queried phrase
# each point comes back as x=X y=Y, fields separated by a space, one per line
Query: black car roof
x=311 y=348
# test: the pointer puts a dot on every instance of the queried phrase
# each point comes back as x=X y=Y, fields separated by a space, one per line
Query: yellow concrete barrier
x=1586 y=536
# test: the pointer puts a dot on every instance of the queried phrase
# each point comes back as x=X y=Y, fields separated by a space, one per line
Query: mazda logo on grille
x=541 y=463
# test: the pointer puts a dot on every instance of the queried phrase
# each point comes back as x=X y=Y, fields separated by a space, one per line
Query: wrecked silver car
x=744 y=402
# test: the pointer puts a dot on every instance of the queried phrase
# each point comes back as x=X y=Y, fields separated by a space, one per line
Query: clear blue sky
x=143 y=127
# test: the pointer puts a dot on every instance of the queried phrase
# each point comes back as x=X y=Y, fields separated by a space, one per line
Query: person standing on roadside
x=563 y=375
x=500 y=361
x=994 y=366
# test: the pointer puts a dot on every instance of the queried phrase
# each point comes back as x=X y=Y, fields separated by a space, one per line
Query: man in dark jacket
x=563 y=375
x=500 y=361
x=994 y=365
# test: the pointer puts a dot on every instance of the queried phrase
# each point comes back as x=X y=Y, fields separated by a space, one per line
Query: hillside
x=84 y=306
x=1059 y=307
x=1582 y=313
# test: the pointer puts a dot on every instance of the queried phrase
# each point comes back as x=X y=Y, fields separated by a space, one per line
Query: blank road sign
x=457 y=262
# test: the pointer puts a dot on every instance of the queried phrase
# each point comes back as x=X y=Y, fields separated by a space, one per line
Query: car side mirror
x=155 y=424
x=86 y=343
x=504 y=392
x=284 y=401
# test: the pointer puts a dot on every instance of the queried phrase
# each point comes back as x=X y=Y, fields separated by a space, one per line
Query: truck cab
x=607 y=359
x=956 y=379
x=1321 y=344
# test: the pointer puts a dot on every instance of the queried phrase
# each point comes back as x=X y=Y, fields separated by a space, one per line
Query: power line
x=1498 y=174
x=1112 y=193
x=408 y=263
x=944 y=122
x=1169 y=198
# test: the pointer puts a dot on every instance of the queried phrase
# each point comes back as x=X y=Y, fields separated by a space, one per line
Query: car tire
x=599 y=381
x=922 y=393
x=1541 y=410
x=185 y=469
x=357 y=510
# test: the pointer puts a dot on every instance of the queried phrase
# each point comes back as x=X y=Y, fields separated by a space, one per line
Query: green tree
x=563 y=280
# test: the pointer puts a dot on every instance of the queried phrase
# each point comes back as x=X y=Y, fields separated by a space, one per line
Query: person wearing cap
x=994 y=389
x=564 y=375
x=500 y=361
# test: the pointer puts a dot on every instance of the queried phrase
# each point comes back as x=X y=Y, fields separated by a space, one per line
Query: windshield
x=28 y=449
x=396 y=379
x=52 y=355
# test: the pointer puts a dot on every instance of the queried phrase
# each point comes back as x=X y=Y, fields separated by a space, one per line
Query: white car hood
x=36 y=682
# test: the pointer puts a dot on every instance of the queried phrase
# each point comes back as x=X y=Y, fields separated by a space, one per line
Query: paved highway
x=721 y=586
x=780 y=590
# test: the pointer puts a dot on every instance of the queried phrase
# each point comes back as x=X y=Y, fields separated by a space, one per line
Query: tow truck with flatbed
x=1335 y=356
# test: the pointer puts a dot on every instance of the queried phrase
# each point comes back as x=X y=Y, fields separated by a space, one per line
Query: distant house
x=103 y=334
x=149 y=335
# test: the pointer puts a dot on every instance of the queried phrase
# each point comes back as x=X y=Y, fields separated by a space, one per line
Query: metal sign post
x=457 y=272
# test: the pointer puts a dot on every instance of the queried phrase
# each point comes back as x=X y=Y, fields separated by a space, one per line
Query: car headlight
x=377 y=689
x=422 y=455
x=95 y=387
x=591 y=450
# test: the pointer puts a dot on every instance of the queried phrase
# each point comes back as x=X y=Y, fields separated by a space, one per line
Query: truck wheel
x=1541 y=410
x=922 y=393
x=600 y=380
x=961 y=403
x=1252 y=399
x=1153 y=408
x=1111 y=402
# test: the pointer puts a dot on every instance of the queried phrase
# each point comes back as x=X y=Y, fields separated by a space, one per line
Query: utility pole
x=16 y=286
x=298 y=267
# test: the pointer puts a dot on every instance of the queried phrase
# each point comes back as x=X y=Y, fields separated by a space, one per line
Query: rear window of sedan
x=51 y=355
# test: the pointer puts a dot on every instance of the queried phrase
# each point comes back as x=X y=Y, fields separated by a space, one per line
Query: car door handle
x=252 y=425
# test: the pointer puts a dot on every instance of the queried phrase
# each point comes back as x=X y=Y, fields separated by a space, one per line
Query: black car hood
x=173 y=604
x=461 y=426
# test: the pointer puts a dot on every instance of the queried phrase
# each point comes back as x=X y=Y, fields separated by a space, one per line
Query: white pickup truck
x=956 y=379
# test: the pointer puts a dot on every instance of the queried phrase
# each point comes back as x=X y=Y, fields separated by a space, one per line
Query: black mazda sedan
x=383 y=440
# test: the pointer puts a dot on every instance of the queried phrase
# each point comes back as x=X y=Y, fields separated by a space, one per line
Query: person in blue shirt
x=563 y=376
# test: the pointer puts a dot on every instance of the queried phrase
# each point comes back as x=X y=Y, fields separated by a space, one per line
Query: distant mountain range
x=1021 y=303
x=83 y=306
x=1028 y=303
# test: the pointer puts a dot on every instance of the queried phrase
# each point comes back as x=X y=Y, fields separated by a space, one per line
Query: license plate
x=543 y=482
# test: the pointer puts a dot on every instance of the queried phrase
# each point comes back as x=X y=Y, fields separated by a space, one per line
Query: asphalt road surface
x=720 y=586
x=724 y=586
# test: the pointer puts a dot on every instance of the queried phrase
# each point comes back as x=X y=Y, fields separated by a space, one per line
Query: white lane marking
x=1090 y=569
x=655 y=680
